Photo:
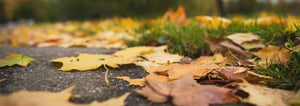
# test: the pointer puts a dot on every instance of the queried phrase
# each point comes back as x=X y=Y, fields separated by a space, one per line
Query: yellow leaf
x=85 y=62
x=273 y=54
x=138 y=82
x=296 y=99
x=159 y=56
x=264 y=96
x=26 y=98
x=13 y=59
x=247 y=40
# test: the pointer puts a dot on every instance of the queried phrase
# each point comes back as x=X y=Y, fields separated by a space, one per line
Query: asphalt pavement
x=42 y=75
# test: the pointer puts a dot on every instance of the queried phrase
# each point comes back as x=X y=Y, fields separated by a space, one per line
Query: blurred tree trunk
x=221 y=7
x=2 y=14
x=149 y=8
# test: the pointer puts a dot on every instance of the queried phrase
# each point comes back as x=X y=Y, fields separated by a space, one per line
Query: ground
x=41 y=76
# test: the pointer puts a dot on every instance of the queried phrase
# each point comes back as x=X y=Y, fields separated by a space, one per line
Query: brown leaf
x=198 y=68
x=233 y=73
x=247 y=40
x=185 y=91
x=224 y=44
x=264 y=96
x=273 y=54
x=141 y=81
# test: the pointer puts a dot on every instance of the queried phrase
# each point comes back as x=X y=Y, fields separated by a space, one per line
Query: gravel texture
x=41 y=76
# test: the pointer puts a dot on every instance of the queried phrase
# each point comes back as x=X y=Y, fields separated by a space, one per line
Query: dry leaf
x=159 y=56
x=137 y=82
x=4 y=79
x=233 y=73
x=85 y=62
x=213 y=22
x=225 y=44
x=296 y=99
x=120 y=101
x=273 y=54
x=13 y=59
x=26 y=98
x=176 y=17
x=198 y=68
x=152 y=75
x=264 y=96
x=247 y=40
x=185 y=91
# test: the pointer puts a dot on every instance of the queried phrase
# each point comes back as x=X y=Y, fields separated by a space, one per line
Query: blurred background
x=62 y=10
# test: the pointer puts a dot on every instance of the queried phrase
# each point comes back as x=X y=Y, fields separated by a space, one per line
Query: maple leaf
x=42 y=98
x=26 y=98
x=264 y=96
x=233 y=73
x=198 y=68
x=85 y=62
x=272 y=55
x=296 y=99
x=138 y=82
x=223 y=44
x=213 y=22
x=141 y=81
x=13 y=59
x=158 y=57
x=176 y=17
x=246 y=40
x=185 y=91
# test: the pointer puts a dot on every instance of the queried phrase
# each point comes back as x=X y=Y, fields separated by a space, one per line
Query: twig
x=106 y=80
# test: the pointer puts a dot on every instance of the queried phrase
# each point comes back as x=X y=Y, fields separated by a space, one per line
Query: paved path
x=39 y=76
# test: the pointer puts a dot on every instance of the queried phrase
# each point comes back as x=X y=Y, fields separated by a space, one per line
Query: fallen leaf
x=13 y=59
x=272 y=55
x=42 y=98
x=176 y=17
x=213 y=22
x=141 y=81
x=85 y=62
x=233 y=73
x=296 y=99
x=4 y=79
x=120 y=101
x=137 y=82
x=225 y=44
x=247 y=40
x=185 y=91
x=264 y=96
x=198 y=68
x=159 y=56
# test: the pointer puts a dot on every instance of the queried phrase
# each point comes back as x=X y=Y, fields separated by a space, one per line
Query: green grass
x=284 y=77
x=188 y=40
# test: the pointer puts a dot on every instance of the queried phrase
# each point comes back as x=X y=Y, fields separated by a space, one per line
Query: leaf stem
x=106 y=79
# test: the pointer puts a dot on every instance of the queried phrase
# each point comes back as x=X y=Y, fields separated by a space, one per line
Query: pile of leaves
x=243 y=67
